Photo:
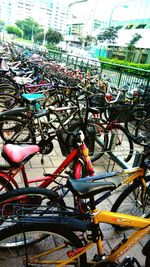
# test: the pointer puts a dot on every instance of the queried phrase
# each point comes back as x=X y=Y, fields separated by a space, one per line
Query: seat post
x=92 y=203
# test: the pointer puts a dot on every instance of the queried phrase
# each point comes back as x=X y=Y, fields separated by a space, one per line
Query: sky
x=104 y=9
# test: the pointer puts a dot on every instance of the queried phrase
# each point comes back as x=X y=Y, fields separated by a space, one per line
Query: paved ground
x=111 y=237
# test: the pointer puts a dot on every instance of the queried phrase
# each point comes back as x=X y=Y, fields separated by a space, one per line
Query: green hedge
x=126 y=66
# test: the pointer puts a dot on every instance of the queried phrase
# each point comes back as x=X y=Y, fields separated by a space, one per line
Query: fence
x=119 y=74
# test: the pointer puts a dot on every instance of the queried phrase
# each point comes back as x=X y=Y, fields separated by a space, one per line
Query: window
x=141 y=26
x=143 y=58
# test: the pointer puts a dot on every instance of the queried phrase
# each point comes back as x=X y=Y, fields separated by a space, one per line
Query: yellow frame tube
x=132 y=240
x=120 y=219
x=139 y=172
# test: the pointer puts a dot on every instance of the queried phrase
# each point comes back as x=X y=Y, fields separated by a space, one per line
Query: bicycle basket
x=119 y=113
x=61 y=135
x=69 y=141
x=66 y=142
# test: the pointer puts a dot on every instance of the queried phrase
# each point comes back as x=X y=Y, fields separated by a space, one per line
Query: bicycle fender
x=14 y=112
x=72 y=224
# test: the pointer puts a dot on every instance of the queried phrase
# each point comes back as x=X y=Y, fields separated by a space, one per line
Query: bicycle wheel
x=16 y=130
x=146 y=253
x=29 y=201
x=48 y=71
x=100 y=140
x=120 y=144
x=142 y=132
x=96 y=138
x=133 y=200
x=134 y=119
x=8 y=101
x=8 y=89
x=5 y=185
x=58 y=243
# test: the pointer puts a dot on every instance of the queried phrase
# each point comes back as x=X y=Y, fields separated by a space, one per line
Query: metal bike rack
x=119 y=161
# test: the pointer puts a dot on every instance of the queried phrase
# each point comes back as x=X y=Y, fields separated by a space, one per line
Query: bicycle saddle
x=17 y=154
x=32 y=97
x=88 y=189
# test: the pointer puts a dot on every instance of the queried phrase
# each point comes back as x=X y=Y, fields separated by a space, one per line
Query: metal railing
x=119 y=74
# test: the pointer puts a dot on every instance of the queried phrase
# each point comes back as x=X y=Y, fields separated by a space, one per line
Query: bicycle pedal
x=97 y=258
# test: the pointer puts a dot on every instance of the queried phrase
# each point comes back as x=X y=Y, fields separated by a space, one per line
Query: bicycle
x=17 y=156
x=134 y=199
x=27 y=125
x=65 y=240
x=142 y=130
x=118 y=141
x=137 y=115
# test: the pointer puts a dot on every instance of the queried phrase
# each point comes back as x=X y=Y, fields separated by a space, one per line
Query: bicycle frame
x=99 y=216
x=122 y=220
x=80 y=152
x=46 y=180
x=134 y=173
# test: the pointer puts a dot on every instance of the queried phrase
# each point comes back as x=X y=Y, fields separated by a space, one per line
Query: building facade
x=48 y=13
x=127 y=29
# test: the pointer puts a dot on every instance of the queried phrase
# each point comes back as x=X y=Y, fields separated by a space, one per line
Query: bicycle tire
x=8 y=88
x=32 y=198
x=129 y=201
x=5 y=185
x=134 y=119
x=119 y=144
x=100 y=138
x=7 y=79
x=8 y=101
x=101 y=141
x=16 y=130
x=145 y=251
x=48 y=71
x=55 y=236
x=147 y=261
x=142 y=132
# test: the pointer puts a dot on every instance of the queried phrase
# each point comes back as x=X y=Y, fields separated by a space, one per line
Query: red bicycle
x=17 y=156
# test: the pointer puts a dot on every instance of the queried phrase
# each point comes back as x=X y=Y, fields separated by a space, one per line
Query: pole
x=44 y=37
x=32 y=38
x=112 y=11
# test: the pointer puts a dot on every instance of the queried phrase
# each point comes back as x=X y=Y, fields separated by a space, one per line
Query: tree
x=53 y=36
x=109 y=35
x=39 y=37
x=14 y=30
x=29 y=26
x=2 y=23
x=131 y=46
x=89 y=39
